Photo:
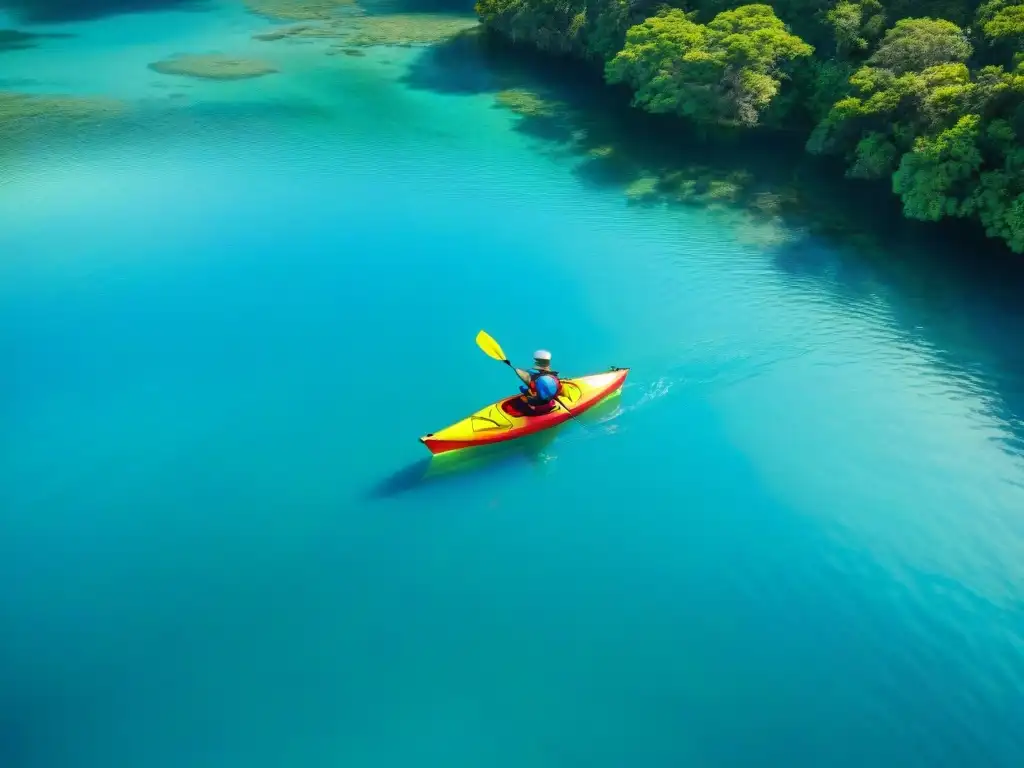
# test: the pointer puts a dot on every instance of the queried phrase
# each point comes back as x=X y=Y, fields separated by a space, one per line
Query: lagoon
x=228 y=308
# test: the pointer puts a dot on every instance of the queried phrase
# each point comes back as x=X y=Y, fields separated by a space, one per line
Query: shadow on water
x=461 y=466
x=947 y=287
x=60 y=11
x=461 y=65
x=16 y=40
x=473 y=63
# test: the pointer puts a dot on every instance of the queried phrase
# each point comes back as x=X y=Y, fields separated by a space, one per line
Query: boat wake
x=603 y=419
x=649 y=393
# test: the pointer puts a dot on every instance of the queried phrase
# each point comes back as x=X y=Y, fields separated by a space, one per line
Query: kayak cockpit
x=516 y=406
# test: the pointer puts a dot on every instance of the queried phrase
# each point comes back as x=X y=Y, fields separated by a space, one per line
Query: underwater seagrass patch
x=297 y=10
x=404 y=29
x=526 y=103
x=213 y=67
x=22 y=114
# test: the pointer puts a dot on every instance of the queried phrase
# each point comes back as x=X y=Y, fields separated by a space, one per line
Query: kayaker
x=542 y=384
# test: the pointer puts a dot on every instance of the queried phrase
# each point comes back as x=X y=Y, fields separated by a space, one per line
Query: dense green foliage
x=928 y=94
x=723 y=72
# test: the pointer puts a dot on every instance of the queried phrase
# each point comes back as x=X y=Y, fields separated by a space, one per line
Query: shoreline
x=868 y=205
x=907 y=158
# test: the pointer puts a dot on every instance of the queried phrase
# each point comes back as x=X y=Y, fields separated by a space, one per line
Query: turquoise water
x=795 y=539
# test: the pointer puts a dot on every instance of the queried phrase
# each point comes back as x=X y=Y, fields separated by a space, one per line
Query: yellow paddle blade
x=490 y=346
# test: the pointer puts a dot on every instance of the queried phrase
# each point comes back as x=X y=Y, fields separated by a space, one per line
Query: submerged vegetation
x=295 y=31
x=23 y=113
x=354 y=28
x=297 y=10
x=16 y=40
x=527 y=103
x=928 y=96
x=25 y=117
x=407 y=28
x=213 y=67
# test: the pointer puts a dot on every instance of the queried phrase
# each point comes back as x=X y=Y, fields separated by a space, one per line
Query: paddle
x=493 y=349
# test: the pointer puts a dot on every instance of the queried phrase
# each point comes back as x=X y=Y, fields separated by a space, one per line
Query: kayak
x=505 y=420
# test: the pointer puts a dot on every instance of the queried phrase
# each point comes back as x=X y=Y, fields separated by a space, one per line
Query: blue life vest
x=545 y=384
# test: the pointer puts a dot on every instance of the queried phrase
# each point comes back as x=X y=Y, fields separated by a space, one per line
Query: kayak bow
x=502 y=421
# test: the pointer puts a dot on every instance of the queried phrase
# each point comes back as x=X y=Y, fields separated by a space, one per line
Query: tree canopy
x=914 y=45
x=722 y=72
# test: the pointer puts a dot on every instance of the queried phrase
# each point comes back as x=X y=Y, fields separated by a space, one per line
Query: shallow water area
x=230 y=309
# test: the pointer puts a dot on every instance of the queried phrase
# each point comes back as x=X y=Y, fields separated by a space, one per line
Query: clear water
x=795 y=539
